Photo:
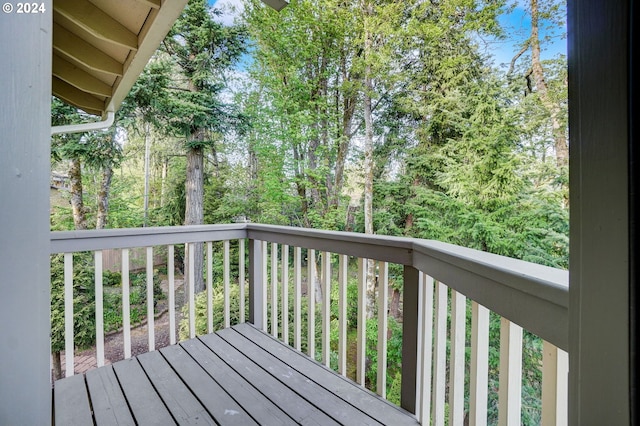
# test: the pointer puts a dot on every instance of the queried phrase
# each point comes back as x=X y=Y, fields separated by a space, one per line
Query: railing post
x=555 y=368
x=410 y=332
x=256 y=288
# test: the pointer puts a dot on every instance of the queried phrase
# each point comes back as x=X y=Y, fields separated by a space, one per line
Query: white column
x=25 y=123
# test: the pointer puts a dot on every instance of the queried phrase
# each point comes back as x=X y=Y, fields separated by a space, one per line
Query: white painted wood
x=311 y=312
x=297 y=297
x=172 y=293
x=284 y=274
x=68 y=314
x=456 y=358
x=126 y=310
x=426 y=348
x=150 y=311
x=99 y=308
x=25 y=306
x=479 y=379
x=529 y=288
x=361 y=322
x=326 y=307
x=210 y=286
x=225 y=282
x=241 y=278
x=440 y=355
x=510 y=381
x=383 y=313
x=274 y=290
x=189 y=248
x=257 y=289
x=264 y=285
x=555 y=370
x=342 y=315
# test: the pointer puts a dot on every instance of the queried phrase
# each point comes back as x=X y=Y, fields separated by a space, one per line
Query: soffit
x=100 y=47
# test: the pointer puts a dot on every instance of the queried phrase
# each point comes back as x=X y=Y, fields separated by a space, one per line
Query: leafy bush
x=218 y=311
x=84 y=327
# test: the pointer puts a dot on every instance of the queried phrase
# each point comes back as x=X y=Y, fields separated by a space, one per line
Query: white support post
x=264 y=285
x=225 y=282
x=326 y=307
x=479 y=380
x=241 y=278
x=383 y=298
x=426 y=348
x=342 y=316
x=440 y=355
x=172 y=294
x=510 y=381
x=361 y=322
x=99 y=309
x=68 y=315
x=274 y=290
x=25 y=306
x=456 y=357
x=284 y=274
x=210 y=287
x=126 y=310
x=150 y=308
x=190 y=249
x=297 y=297
x=311 y=295
x=555 y=386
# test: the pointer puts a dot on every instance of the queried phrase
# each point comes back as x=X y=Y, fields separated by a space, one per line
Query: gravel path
x=114 y=342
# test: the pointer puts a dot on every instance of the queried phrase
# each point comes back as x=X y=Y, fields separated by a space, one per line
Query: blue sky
x=518 y=25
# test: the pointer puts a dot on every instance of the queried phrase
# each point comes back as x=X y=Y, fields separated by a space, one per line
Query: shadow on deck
x=237 y=376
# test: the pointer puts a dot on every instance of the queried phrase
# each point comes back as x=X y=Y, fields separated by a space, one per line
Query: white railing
x=434 y=315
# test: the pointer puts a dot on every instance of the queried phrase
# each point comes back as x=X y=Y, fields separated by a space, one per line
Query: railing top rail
x=102 y=239
x=533 y=296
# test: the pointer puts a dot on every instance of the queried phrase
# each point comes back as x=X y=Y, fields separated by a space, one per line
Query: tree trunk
x=57 y=365
x=77 y=204
x=194 y=213
x=394 y=308
x=368 y=156
x=103 y=197
x=558 y=130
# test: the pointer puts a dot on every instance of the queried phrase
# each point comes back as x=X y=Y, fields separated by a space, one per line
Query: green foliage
x=201 y=49
x=201 y=310
x=95 y=149
x=394 y=353
x=84 y=324
x=84 y=327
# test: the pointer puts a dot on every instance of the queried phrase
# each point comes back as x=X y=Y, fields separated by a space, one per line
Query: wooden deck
x=237 y=376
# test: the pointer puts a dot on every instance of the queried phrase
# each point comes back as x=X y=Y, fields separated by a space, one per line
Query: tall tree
x=98 y=151
x=202 y=50
x=549 y=87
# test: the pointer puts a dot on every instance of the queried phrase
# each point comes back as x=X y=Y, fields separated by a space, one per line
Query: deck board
x=372 y=404
x=183 y=405
x=237 y=376
x=146 y=406
x=290 y=402
x=108 y=401
x=212 y=396
x=339 y=410
x=71 y=402
x=255 y=403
